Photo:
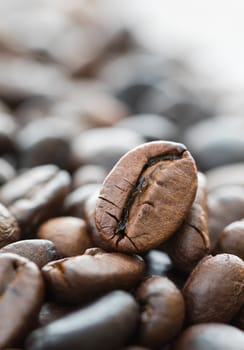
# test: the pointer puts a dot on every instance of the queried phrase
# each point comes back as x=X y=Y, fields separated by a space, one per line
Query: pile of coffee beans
x=121 y=191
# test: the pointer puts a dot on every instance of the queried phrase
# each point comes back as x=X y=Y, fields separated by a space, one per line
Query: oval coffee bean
x=107 y=324
x=211 y=336
x=191 y=242
x=22 y=292
x=231 y=239
x=69 y=234
x=77 y=279
x=36 y=196
x=146 y=196
x=39 y=251
x=214 y=292
x=163 y=311
x=9 y=228
x=51 y=312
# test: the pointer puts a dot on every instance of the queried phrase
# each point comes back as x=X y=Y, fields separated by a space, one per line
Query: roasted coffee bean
x=9 y=228
x=39 y=251
x=77 y=279
x=51 y=312
x=146 y=196
x=68 y=234
x=35 y=196
x=107 y=324
x=225 y=204
x=228 y=174
x=103 y=146
x=231 y=239
x=74 y=202
x=191 y=242
x=210 y=336
x=88 y=174
x=8 y=129
x=214 y=292
x=163 y=311
x=22 y=294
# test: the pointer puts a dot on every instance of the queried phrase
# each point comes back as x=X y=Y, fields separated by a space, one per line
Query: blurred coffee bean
x=8 y=129
x=163 y=311
x=130 y=214
x=22 y=78
x=69 y=235
x=45 y=142
x=51 y=312
x=7 y=171
x=157 y=263
x=35 y=196
x=216 y=142
x=210 y=336
x=78 y=279
x=22 y=295
x=151 y=127
x=75 y=201
x=231 y=239
x=107 y=324
x=103 y=146
x=214 y=292
x=228 y=174
x=39 y=251
x=239 y=319
x=225 y=204
x=88 y=174
x=191 y=242
x=9 y=228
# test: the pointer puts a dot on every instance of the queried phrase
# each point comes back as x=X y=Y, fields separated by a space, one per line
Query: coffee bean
x=225 y=204
x=191 y=242
x=68 y=234
x=228 y=174
x=22 y=292
x=211 y=336
x=35 y=196
x=146 y=196
x=77 y=279
x=231 y=239
x=40 y=251
x=158 y=263
x=163 y=311
x=88 y=174
x=214 y=292
x=9 y=228
x=7 y=171
x=107 y=324
x=51 y=312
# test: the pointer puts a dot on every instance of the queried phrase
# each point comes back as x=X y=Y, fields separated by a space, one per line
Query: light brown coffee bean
x=146 y=196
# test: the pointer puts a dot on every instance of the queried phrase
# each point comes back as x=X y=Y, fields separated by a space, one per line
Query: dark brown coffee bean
x=68 y=234
x=191 y=242
x=40 y=251
x=163 y=311
x=51 y=312
x=146 y=196
x=107 y=324
x=214 y=292
x=36 y=196
x=78 y=279
x=9 y=228
x=225 y=204
x=22 y=293
x=88 y=174
x=211 y=336
x=231 y=239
